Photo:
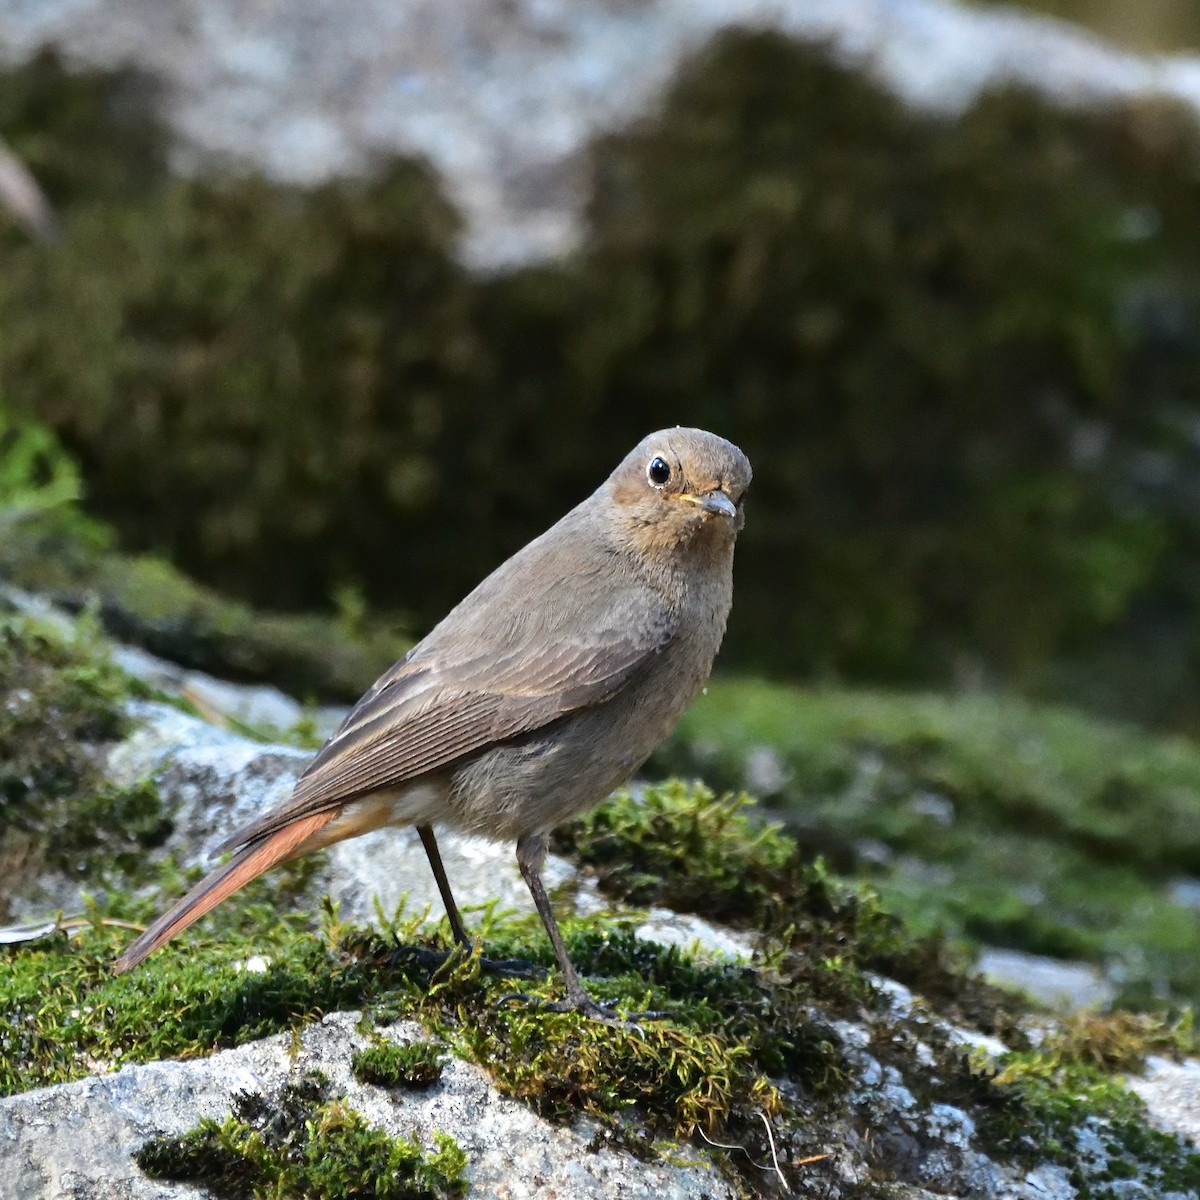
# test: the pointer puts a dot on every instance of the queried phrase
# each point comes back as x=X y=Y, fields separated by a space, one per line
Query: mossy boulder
x=840 y=1050
x=50 y=546
x=957 y=351
x=993 y=820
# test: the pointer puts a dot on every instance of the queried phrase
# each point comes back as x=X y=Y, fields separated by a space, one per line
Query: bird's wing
x=435 y=707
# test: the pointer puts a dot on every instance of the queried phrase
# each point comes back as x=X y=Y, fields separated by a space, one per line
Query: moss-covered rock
x=957 y=352
x=143 y=600
x=414 y=1065
x=62 y=704
x=996 y=821
x=304 y=1143
x=49 y=545
x=786 y=1054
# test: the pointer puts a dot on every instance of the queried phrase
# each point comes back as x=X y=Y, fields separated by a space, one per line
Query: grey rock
x=211 y=778
x=1171 y=1092
x=27 y=604
x=260 y=706
x=766 y=773
x=936 y=808
x=1185 y=892
x=1043 y=1183
x=503 y=95
x=1051 y=981
x=389 y=866
x=510 y=1151
x=695 y=934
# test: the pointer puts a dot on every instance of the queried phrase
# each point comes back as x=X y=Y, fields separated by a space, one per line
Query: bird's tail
x=247 y=864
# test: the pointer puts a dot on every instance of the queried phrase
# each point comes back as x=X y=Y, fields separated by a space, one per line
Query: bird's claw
x=434 y=960
x=421 y=956
x=511 y=968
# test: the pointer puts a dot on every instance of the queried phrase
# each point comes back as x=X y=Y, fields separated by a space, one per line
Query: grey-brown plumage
x=547 y=687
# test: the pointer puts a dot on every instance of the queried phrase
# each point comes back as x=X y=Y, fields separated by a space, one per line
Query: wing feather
x=429 y=711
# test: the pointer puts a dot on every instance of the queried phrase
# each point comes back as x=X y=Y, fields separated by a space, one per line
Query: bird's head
x=681 y=487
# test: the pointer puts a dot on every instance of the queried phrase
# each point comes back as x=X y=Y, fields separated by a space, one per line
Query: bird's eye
x=659 y=471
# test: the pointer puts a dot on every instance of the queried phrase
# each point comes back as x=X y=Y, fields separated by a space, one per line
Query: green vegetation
x=683 y=847
x=302 y=1144
x=61 y=704
x=959 y=354
x=1057 y=1101
x=36 y=474
x=50 y=545
x=145 y=601
x=704 y=1070
x=997 y=821
x=386 y=1064
x=62 y=1015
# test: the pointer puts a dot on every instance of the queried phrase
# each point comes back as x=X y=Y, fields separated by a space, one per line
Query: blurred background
x=310 y=316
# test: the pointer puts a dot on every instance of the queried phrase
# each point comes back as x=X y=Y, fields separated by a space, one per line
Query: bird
x=540 y=693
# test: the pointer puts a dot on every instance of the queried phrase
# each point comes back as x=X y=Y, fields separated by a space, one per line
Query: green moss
x=99 y=135
x=36 y=474
x=145 y=601
x=386 y=1064
x=1060 y=1103
x=303 y=1144
x=681 y=846
x=61 y=705
x=1118 y=1041
x=62 y=1014
x=994 y=820
x=686 y=849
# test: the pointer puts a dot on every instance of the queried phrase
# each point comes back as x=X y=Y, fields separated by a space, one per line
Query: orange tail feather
x=244 y=866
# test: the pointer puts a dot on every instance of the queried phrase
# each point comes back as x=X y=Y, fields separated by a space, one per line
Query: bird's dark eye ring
x=659 y=471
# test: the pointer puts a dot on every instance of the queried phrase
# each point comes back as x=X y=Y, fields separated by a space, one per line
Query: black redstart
x=541 y=692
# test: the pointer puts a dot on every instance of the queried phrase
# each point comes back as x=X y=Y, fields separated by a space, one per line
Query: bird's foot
x=577 y=1000
x=511 y=968
x=421 y=956
x=434 y=960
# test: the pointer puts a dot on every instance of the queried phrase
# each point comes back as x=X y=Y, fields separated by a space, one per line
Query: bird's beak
x=715 y=502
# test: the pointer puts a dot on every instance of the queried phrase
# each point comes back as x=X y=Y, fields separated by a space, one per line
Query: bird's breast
x=534 y=782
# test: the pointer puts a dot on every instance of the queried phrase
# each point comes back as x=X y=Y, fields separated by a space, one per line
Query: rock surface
x=503 y=95
x=1050 y=981
x=1172 y=1093
x=511 y=1152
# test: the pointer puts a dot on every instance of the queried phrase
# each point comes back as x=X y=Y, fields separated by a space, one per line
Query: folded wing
x=432 y=709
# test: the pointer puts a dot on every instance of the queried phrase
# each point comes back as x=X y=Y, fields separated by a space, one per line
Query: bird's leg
x=501 y=966
x=531 y=854
x=439 y=874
